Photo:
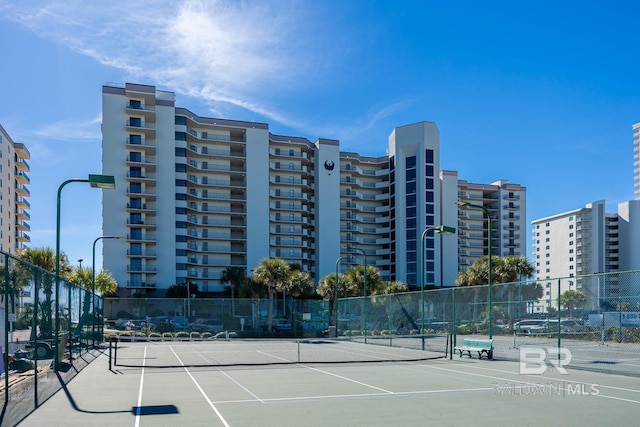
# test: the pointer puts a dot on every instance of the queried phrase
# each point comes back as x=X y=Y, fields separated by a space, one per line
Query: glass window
x=410 y=187
x=429 y=170
x=411 y=175
x=411 y=199
x=428 y=195
x=181 y=120
x=428 y=156
x=429 y=183
x=411 y=162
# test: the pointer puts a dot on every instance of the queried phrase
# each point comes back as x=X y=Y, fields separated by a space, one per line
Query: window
x=135 y=139
x=410 y=162
x=428 y=156
x=181 y=120
x=429 y=183
x=135 y=122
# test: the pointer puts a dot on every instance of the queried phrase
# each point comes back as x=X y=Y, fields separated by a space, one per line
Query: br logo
x=535 y=360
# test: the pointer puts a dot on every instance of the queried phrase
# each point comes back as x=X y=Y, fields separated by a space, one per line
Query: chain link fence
x=47 y=329
x=598 y=321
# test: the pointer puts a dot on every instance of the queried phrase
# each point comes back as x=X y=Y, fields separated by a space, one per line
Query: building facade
x=636 y=159
x=197 y=195
x=14 y=194
x=583 y=242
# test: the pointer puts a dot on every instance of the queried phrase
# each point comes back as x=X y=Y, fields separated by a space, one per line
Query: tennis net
x=257 y=352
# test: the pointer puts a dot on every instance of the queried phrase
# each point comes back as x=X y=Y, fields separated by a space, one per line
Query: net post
x=110 y=344
x=298 y=341
x=115 y=352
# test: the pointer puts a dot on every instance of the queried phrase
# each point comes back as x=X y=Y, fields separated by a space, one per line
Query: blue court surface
x=440 y=392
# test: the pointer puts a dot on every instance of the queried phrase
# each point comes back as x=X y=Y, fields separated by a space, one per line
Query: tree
x=299 y=284
x=273 y=273
x=45 y=258
x=180 y=291
x=233 y=276
x=356 y=277
x=327 y=287
x=572 y=299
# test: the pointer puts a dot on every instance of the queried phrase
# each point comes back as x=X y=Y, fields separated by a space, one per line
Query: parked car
x=282 y=325
x=529 y=326
x=206 y=325
x=180 y=323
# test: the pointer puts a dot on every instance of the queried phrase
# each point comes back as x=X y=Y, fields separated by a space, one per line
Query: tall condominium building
x=585 y=241
x=14 y=206
x=196 y=195
x=636 y=159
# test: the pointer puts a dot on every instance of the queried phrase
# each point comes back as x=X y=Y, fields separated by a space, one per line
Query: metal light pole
x=364 y=298
x=336 y=296
x=490 y=265
x=93 y=286
x=441 y=229
x=96 y=181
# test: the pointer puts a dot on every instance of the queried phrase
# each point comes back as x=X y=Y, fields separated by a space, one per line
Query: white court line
x=219 y=415
x=349 y=379
x=360 y=395
x=630 y=390
x=144 y=357
x=241 y=386
x=604 y=396
x=333 y=375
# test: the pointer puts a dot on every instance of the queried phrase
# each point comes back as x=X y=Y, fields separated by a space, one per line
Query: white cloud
x=245 y=54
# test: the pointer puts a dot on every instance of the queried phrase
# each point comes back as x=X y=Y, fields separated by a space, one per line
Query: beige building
x=14 y=192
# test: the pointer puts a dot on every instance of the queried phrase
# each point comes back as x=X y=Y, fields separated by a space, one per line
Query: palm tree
x=299 y=283
x=45 y=258
x=573 y=299
x=273 y=273
x=233 y=276
x=356 y=277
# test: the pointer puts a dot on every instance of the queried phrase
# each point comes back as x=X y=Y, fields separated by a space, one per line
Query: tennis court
x=439 y=391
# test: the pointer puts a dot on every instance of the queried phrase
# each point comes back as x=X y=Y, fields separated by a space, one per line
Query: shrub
x=167 y=335
x=196 y=335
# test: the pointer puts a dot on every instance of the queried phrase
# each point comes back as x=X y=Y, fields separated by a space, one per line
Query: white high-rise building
x=636 y=159
x=196 y=195
x=586 y=241
x=14 y=191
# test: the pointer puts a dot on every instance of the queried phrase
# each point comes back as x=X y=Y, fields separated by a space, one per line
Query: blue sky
x=542 y=94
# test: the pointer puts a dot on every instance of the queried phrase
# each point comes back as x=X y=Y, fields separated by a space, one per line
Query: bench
x=482 y=346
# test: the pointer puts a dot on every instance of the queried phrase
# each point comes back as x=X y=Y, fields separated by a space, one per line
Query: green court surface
x=441 y=392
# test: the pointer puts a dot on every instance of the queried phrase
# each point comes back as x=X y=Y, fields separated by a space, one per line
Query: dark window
x=181 y=182
x=135 y=122
x=135 y=156
x=429 y=196
x=181 y=120
x=429 y=183
x=181 y=152
x=429 y=170
x=411 y=199
x=411 y=212
x=411 y=223
x=181 y=136
x=411 y=187
x=181 y=167
x=428 y=208
x=411 y=175
x=428 y=156
x=411 y=162
x=135 y=139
